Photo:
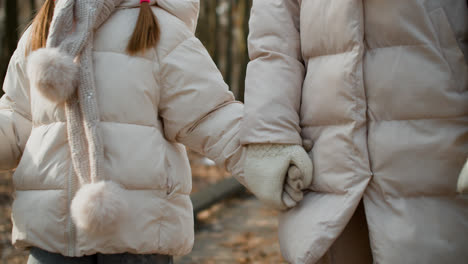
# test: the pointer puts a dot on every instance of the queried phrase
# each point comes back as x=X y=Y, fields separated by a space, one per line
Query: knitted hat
x=63 y=72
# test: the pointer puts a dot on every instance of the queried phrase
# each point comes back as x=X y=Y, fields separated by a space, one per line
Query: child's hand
x=462 y=185
x=277 y=173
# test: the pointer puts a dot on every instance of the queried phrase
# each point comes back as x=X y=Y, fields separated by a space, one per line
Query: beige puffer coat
x=381 y=87
x=148 y=105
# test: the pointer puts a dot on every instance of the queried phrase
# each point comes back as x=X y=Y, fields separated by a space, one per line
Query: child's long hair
x=146 y=34
x=40 y=25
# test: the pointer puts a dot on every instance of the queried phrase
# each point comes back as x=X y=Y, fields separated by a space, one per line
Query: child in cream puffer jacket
x=96 y=109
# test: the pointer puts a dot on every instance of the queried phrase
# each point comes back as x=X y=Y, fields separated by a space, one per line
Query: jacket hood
x=185 y=10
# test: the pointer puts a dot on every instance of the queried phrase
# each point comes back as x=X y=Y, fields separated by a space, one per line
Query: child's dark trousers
x=39 y=256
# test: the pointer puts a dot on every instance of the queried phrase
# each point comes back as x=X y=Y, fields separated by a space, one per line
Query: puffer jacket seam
x=17 y=110
x=329 y=55
x=268 y=53
x=157 y=78
x=421 y=196
x=358 y=85
x=158 y=65
x=207 y=115
x=384 y=120
x=398 y=46
x=39 y=124
x=128 y=189
x=123 y=54
x=130 y=124
x=330 y=125
x=174 y=48
x=421 y=119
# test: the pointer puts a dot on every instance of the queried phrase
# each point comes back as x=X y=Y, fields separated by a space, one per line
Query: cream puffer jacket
x=381 y=88
x=149 y=104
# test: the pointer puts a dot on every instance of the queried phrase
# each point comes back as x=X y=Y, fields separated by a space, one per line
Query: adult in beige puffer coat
x=381 y=88
x=149 y=105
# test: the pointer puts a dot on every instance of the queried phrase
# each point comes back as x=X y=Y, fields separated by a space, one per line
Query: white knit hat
x=63 y=72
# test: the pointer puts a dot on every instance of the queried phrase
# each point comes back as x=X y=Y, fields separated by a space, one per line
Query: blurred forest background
x=234 y=230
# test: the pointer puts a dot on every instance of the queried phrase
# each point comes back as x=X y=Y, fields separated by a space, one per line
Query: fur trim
x=462 y=185
x=53 y=73
x=97 y=207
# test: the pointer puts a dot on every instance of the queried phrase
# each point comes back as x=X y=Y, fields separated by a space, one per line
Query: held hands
x=293 y=186
x=277 y=173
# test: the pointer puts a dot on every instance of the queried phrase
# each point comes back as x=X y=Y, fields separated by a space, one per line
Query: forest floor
x=237 y=230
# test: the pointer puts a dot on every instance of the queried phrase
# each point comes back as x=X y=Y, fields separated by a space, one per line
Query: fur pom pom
x=97 y=207
x=53 y=73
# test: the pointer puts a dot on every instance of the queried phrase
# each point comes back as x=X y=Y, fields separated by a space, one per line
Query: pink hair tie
x=142 y=1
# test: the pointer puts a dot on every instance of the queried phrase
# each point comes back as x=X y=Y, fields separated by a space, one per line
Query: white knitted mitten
x=462 y=185
x=266 y=167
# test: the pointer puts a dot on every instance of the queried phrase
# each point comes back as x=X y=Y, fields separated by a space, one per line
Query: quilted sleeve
x=196 y=106
x=15 y=116
x=274 y=75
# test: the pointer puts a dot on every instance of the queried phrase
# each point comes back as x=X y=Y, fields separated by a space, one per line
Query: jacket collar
x=185 y=10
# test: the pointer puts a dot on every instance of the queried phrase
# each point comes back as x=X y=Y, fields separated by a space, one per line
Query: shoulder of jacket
x=173 y=32
x=22 y=49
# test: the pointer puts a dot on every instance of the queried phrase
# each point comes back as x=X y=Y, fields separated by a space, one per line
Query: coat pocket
x=449 y=48
x=169 y=186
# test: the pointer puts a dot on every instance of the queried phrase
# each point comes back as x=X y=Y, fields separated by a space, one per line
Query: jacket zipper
x=71 y=225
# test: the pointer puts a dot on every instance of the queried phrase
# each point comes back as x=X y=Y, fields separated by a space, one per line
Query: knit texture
x=266 y=170
x=71 y=34
x=82 y=111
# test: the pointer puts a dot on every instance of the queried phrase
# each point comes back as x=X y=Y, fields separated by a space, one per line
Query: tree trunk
x=245 y=53
x=32 y=5
x=214 y=32
x=11 y=27
x=230 y=32
x=10 y=37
